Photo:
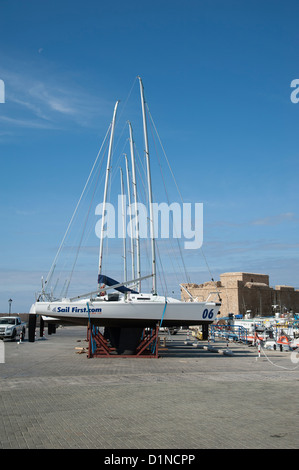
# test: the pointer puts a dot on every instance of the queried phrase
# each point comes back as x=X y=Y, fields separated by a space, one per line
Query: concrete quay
x=52 y=397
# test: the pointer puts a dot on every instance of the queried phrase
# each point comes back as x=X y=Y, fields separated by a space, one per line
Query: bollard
x=205 y=332
x=21 y=337
x=41 y=327
x=51 y=328
x=188 y=342
x=31 y=328
x=259 y=348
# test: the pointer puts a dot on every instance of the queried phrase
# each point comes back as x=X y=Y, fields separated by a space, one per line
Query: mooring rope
x=90 y=329
x=277 y=365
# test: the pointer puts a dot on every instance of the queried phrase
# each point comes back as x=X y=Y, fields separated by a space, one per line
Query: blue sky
x=217 y=80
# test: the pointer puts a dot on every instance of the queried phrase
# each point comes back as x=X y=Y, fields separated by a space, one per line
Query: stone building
x=246 y=293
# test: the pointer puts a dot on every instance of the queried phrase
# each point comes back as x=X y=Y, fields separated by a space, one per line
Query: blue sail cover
x=108 y=281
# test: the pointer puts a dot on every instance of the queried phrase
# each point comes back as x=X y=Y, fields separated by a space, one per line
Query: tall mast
x=131 y=222
x=106 y=186
x=149 y=182
x=134 y=183
x=124 y=224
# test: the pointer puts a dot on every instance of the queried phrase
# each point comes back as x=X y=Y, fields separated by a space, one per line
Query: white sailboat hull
x=128 y=313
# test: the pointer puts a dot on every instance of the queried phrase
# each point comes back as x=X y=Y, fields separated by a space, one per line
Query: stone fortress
x=246 y=294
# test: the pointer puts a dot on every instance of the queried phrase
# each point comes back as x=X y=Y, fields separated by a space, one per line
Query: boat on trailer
x=117 y=304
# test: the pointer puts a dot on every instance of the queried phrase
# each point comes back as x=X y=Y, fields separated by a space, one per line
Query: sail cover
x=108 y=281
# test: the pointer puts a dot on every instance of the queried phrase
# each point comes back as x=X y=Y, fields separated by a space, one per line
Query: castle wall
x=243 y=293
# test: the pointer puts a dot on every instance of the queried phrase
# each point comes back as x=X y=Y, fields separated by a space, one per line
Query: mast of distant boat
x=106 y=187
x=149 y=182
x=124 y=224
x=131 y=221
x=134 y=183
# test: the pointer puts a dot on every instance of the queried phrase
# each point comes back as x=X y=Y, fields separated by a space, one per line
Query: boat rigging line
x=50 y=274
x=180 y=194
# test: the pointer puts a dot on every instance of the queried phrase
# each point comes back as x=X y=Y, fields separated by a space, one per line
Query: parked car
x=11 y=327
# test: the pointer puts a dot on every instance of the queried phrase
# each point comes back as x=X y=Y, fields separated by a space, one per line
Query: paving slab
x=191 y=397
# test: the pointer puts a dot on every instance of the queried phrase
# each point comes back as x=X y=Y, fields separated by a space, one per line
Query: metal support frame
x=98 y=346
x=225 y=331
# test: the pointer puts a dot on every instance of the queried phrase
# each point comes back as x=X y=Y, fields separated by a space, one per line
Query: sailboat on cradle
x=116 y=304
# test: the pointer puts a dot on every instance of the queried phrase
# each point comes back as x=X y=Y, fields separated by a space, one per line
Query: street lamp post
x=9 y=306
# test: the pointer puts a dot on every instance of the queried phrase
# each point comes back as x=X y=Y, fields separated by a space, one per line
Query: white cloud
x=23 y=123
x=274 y=219
x=54 y=99
x=30 y=106
x=47 y=100
x=269 y=220
x=26 y=213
